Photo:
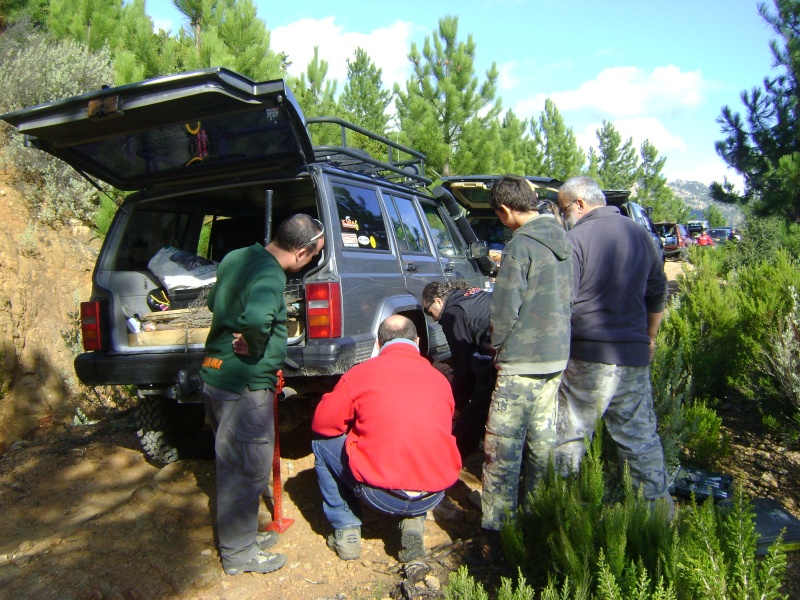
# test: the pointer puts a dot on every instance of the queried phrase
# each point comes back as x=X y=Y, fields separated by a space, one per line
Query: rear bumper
x=316 y=358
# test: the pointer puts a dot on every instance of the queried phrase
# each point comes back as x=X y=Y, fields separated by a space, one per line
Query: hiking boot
x=266 y=539
x=412 y=538
x=346 y=543
x=263 y=562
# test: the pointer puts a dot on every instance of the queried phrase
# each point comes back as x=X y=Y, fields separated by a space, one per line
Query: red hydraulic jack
x=279 y=522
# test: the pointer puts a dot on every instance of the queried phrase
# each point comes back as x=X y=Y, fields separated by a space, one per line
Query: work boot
x=263 y=562
x=346 y=543
x=412 y=538
x=266 y=539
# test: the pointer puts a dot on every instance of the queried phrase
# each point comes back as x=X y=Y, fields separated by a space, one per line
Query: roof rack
x=402 y=163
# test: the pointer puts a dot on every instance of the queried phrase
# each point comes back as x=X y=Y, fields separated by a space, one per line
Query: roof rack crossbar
x=396 y=166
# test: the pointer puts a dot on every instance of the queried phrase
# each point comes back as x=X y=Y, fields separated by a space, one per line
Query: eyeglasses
x=563 y=211
x=427 y=309
x=318 y=235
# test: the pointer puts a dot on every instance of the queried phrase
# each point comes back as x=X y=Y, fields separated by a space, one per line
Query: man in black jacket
x=463 y=313
x=620 y=292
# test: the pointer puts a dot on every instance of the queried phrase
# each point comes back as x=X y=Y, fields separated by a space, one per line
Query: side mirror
x=478 y=249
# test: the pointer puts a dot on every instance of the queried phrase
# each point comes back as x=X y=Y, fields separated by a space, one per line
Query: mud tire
x=169 y=431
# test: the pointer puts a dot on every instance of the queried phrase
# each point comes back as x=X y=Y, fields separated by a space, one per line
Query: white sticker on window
x=350 y=240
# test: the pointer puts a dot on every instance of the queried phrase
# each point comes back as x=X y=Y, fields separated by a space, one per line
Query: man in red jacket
x=384 y=444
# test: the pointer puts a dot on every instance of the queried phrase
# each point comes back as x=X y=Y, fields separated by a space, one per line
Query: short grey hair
x=585 y=188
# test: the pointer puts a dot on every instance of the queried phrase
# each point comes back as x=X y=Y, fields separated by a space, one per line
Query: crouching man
x=386 y=442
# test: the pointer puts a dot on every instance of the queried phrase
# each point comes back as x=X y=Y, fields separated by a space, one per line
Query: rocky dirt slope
x=43 y=276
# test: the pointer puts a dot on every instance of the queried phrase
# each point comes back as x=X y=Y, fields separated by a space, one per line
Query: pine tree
x=142 y=54
x=517 y=152
x=91 y=22
x=714 y=216
x=444 y=112
x=562 y=157
x=316 y=97
x=763 y=145
x=227 y=33
x=247 y=38
x=364 y=100
x=617 y=167
x=652 y=189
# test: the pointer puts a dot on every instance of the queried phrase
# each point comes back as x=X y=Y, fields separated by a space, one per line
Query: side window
x=146 y=232
x=360 y=218
x=407 y=225
x=442 y=237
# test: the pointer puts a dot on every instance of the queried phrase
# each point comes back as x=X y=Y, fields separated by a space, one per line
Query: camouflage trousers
x=521 y=424
x=624 y=398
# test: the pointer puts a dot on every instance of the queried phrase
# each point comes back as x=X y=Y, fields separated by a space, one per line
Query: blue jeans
x=341 y=492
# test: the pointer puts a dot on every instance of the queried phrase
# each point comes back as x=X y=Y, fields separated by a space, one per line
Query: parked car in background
x=721 y=235
x=638 y=213
x=700 y=235
x=472 y=192
x=676 y=239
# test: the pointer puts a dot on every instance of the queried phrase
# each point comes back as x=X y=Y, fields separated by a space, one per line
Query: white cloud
x=507 y=79
x=384 y=46
x=163 y=25
x=640 y=129
x=620 y=92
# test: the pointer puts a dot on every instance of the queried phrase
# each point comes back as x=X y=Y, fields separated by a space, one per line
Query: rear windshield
x=251 y=136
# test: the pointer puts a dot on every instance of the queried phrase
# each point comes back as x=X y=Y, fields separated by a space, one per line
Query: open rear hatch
x=472 y=191
x=172 y=130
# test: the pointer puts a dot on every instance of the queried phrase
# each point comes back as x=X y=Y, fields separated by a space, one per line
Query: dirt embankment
x=44 y=274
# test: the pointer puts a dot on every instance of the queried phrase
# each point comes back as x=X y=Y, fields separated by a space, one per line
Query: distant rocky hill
x=695 y=195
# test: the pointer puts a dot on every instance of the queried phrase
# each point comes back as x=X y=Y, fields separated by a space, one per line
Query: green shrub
x=571 y=544
x=780 y=361
x=729 y=326
x=705 y=444
x=104 y=215
x=672 y=388
x=36 y=70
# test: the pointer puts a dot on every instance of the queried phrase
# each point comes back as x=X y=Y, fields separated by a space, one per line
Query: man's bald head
x=396 y=327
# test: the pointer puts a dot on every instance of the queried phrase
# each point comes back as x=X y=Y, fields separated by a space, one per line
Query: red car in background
x=676 y=239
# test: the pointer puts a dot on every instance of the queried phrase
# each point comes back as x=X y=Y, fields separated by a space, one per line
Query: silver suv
x=215 y=160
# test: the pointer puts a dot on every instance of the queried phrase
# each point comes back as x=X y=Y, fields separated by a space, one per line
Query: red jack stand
x=279 y=522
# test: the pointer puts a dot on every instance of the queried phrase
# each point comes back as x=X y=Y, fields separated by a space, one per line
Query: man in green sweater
x=246 y=347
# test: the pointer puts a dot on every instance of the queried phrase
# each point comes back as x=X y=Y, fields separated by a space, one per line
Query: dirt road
x=85 y=516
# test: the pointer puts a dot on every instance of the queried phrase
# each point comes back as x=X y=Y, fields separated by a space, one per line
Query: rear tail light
x=90 y=326
x=323 y=310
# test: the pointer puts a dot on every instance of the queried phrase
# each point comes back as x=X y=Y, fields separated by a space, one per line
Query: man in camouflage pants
x=529 y=315
x=620 y=292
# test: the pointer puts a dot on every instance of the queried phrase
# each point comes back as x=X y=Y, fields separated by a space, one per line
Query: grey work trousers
x=244 y=430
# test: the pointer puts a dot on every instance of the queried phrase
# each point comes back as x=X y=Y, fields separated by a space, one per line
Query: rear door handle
x=411 y=267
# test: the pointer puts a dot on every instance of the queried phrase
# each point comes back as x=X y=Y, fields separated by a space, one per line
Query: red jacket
x=397 y=411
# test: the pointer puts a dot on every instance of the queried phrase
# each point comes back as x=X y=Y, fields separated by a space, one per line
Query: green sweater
x=248 y=299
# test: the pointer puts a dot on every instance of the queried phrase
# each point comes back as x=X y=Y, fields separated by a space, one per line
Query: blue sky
x=658 y=70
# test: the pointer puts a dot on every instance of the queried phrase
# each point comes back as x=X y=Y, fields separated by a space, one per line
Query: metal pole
x=268 y=218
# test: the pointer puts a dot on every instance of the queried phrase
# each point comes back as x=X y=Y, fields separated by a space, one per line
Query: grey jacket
x=532 y=300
